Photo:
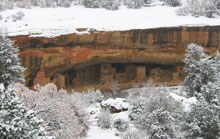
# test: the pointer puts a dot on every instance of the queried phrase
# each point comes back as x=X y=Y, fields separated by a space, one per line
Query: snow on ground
x=96 y=132
x=51 y=22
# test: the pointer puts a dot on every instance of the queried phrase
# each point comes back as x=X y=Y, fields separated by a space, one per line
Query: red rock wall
x=155 y=46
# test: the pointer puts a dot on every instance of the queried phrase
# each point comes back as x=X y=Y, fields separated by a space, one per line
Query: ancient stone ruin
x=119 y=59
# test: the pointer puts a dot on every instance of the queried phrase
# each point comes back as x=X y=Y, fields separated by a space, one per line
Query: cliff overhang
x=100 y=59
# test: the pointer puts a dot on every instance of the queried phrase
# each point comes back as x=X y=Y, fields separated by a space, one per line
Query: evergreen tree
x=204 y=118
x=160 y=116
x=11 y=70
x=203 y=80
x=198 y=66
x=16 y=121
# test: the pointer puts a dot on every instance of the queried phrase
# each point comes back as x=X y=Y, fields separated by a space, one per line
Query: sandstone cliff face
x=160 y=49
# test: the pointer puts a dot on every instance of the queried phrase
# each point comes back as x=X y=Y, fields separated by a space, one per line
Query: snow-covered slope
x=55 y=21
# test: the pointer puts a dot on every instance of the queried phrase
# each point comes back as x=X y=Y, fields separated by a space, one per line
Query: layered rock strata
x=100 y=59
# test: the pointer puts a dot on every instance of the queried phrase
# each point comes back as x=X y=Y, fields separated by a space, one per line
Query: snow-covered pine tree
x=203 y=120
x=11 y=70
x=16 y=121
x=198 y=69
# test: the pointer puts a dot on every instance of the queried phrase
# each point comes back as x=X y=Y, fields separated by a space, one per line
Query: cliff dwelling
x=102 y=59
x=103 y=75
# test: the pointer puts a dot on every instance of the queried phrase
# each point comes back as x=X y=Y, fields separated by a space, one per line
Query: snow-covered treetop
x=11 y=69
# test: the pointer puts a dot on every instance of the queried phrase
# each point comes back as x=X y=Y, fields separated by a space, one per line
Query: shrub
x=64 y=114
x=173 y=3
x=134 y=134
x=134 y=4
x=107 y=4
x=105 y=119
x=136 y=108
x=89 y=97
x=196 y=8
x=203 y=121
x=161 y=116
x=16 y=121
x=121 y=125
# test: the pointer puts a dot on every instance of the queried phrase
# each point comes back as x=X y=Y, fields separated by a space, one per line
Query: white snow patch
x=185 y=101
x=96 y=132
x=51 y=22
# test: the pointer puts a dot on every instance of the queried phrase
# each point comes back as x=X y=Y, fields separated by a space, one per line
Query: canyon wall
x=160 y=49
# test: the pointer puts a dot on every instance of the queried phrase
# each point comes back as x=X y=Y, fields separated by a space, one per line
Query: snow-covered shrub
x=121 y=125
x=210 y=8
x=161 y=116
x=64 y=3
x=3 y=5
x=1 y=17
x=203 y=121
x=172 y=3
x=64 y=114
x=146 y=2
x=134 y=134
x=11 y=70
x=17 y=16
x=93 y=96
x=92 y=3
x=105 y=119
x=136 y=99
x=107 y=4
x=50 y=89
x=183 y=11
x=111 y=4
x=135 y=4
x=136 y=108
x=198 y=67
x=196 y=8
x=16 y=121
x=89 y=97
